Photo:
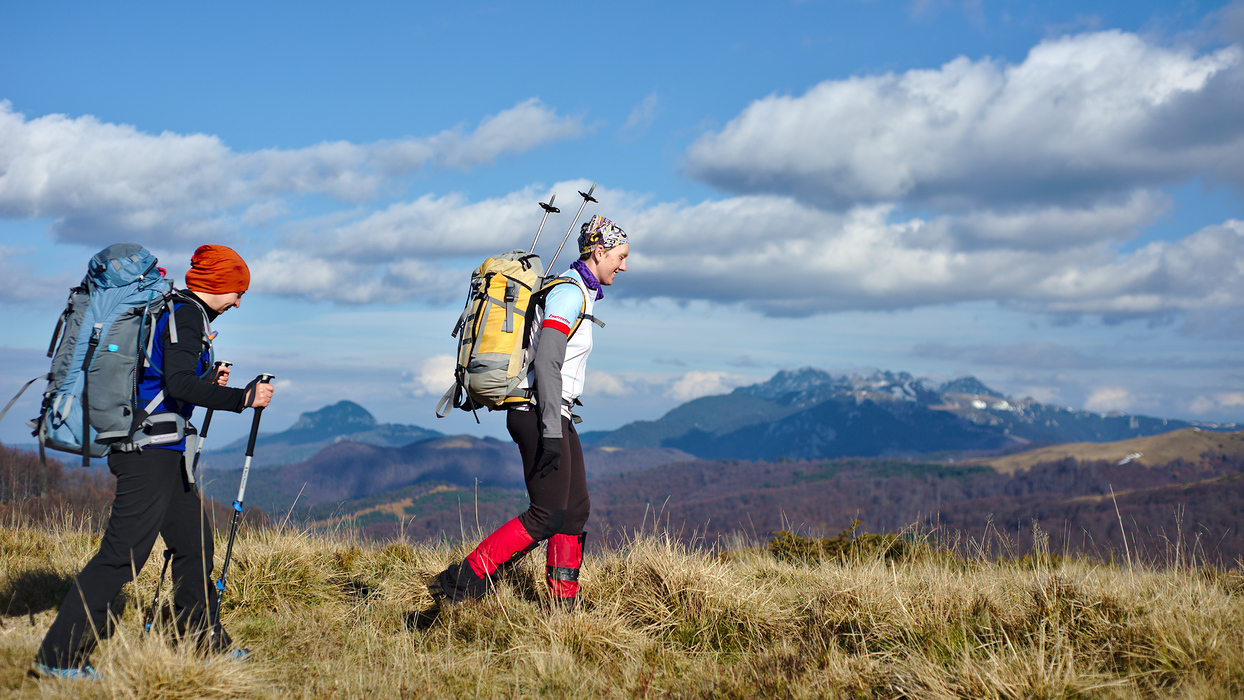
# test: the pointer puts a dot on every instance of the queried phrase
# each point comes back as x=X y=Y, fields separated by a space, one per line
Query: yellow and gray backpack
x=495 y=333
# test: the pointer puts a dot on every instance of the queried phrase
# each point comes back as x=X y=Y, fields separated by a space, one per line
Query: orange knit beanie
x=217 y=269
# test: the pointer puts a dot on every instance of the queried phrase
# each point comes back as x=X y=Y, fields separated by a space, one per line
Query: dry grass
x=331 y=617
x=1187 y=444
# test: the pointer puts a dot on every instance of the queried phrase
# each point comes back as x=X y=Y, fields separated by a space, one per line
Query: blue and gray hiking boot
x=74 y=673
x=230 y=655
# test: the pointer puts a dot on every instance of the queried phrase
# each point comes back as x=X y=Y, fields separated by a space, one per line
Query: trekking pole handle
x=207 y=420
x=587 y=197
x=217 y=365
x=250 y=446
x=548 y=209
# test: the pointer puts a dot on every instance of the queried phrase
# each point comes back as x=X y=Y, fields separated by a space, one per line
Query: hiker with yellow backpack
x=539 y=415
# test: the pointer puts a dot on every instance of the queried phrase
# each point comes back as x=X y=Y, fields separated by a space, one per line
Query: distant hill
x=1186 y=444
x=348 y=470
x=459 y=486
x=810 y=414
x=344 y=421
x=345 y=471
x=1195 y=491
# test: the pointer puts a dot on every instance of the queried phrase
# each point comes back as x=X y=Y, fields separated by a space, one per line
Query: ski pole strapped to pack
x=498 y=326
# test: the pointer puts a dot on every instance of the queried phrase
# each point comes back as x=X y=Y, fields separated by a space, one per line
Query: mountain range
x=344 y=421
x=340 y=453
x=811 y=414
x=338 y=462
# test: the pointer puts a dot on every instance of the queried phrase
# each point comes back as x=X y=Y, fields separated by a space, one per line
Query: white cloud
x=99 y=179
x=782 y=257
x=697 y=383
x=778 y=256
x=434 y=375
x=1217 y=402
x=1080 y=118
x=606 y=384
x=1049 y=395
x=643 y=114
x=298 y=273
x=1106 y=399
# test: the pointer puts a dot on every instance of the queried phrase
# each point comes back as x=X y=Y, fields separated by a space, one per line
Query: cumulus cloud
x=1081 y=118
x=1212 y=403
x=99 y=180
x=434 y=375
x=421 y=249
x=783 y=257
x=301 y=273
x=697 y=383
x=606 y=384
x=1105 y=399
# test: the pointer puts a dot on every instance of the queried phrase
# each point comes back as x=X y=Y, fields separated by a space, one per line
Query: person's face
x=610 y=262
x=223 y=302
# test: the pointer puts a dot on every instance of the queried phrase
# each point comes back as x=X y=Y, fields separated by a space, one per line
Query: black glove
x=549 y=456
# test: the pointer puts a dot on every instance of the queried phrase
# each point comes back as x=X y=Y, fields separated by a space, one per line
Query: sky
x=1045 y=196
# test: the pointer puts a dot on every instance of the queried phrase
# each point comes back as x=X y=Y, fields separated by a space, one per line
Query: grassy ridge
x=1187 y=444
x=329 y=616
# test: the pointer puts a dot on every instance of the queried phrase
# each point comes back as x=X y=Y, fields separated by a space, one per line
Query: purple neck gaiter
x=588 y=278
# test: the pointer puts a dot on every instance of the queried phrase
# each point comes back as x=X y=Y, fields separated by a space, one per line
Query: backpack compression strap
x=22 y=391
x=96 y=332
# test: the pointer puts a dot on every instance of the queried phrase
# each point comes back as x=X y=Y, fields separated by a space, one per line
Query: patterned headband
x=600 y=231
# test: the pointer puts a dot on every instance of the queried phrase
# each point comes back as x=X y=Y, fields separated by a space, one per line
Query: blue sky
x=1046 y=197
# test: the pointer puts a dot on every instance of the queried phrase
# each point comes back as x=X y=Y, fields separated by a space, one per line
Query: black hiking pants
x=153 y=497
x=559 y=500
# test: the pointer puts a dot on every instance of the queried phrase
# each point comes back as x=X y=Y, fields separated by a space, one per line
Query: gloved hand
x=550 y=455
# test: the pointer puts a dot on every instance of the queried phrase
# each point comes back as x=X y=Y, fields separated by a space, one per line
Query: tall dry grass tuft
x=330 y=616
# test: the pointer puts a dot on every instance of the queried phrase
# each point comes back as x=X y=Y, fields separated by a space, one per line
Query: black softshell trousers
x=153 y=497
x=559 y=500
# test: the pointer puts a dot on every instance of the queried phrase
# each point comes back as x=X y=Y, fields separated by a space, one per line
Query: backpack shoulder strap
x=183 y=298
x=557 y=281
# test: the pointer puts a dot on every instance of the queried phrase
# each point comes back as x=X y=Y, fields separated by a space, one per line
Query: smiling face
x=606 y=264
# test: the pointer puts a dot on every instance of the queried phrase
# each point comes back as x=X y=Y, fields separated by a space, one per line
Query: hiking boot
x=84 y=672
x=457 y=584
x=231 y=655
x=563 y=604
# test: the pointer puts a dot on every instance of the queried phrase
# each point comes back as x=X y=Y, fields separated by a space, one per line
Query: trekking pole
x=586 y=198
x=155 y=599
x=548 y=209
x=237 y=505
x=207 y=423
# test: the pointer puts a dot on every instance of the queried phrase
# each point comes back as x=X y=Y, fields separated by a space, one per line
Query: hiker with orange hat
x=155 y=493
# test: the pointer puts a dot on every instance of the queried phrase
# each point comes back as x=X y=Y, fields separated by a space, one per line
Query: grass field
x=330 y=617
